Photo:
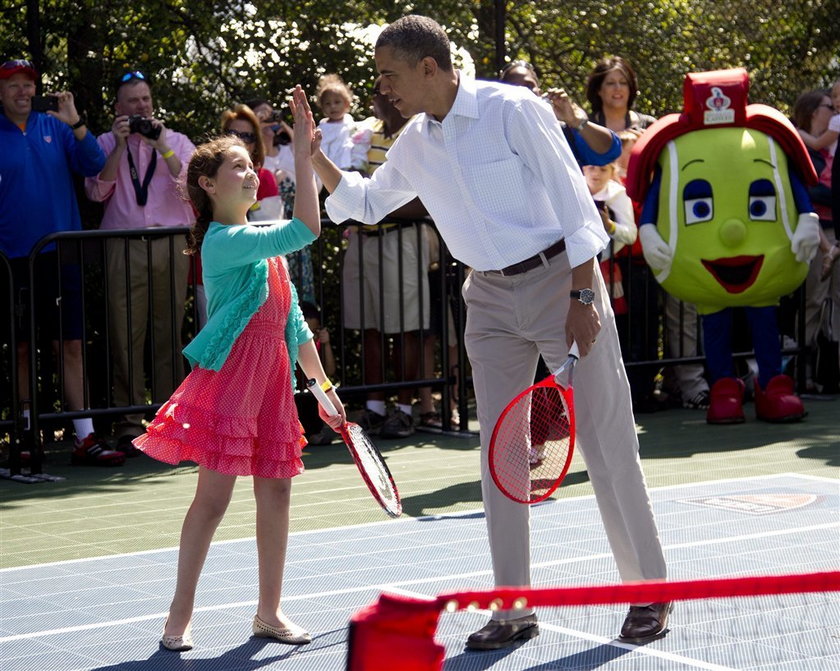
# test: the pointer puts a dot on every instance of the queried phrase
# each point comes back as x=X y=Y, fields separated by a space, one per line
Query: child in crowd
x=235 y=413
x=628 y=138
x=317 y=433
x=341 y=141
x=616 y=210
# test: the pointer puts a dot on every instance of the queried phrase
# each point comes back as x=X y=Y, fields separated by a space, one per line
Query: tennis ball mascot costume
x=727 y=223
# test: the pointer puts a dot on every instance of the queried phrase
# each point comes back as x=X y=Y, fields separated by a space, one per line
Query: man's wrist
x=81 y=122
x=583 y=124
x=168 y=153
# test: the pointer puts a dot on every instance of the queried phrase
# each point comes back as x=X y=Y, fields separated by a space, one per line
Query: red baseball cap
x=10 y=68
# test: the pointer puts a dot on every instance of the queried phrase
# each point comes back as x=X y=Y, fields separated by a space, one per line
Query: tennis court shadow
x=676 y=433
x=431 y=502
x=239 y=658
x=586 y=660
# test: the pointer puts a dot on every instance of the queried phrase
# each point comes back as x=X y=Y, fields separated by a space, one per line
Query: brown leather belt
x=534 y=262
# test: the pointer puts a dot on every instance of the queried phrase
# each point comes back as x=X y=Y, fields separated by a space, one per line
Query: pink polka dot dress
x=240 y=420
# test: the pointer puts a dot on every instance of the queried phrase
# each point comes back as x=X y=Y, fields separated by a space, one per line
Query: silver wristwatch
x=585 y=296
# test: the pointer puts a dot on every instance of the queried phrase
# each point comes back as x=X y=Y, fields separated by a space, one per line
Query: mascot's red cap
x=714 y=99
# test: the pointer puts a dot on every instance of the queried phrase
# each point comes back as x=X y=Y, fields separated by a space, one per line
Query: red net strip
x=398 y=632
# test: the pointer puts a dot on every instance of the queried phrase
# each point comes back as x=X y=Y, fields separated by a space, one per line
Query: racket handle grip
x=322 y=397
x=574 y=351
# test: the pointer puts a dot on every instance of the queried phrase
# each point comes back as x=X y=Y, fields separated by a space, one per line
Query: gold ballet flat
x=177 y=643
x=294 y=636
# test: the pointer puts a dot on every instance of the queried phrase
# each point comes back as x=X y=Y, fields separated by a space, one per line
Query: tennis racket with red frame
x=368 y=460
x=534 y=438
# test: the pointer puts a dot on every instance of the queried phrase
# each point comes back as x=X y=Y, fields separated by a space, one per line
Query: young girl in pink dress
x=235 y=413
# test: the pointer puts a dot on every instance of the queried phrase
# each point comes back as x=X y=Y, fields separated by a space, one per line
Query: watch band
x=81 y=122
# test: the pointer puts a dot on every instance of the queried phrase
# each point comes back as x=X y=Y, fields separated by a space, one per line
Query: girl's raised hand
x=305 y=131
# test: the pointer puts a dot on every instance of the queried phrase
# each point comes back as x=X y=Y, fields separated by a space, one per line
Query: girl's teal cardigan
x=236 y=282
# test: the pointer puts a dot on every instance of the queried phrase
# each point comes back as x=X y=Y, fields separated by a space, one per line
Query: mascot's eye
x=698 y=200
x=762 y=200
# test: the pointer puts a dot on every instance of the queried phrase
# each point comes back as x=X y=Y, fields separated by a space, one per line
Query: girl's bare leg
x=273 y=498
x=212 y=496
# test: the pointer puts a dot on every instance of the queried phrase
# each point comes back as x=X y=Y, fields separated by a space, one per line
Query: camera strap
x=141 y=191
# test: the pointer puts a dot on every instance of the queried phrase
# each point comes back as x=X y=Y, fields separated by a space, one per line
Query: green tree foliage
x=204 y=56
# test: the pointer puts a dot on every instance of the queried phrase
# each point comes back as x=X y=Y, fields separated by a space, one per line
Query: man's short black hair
x=415 y=37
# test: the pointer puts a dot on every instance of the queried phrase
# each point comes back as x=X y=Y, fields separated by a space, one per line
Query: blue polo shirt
x=37 y=196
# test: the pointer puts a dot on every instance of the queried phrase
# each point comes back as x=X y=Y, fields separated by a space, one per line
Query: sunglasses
x=132 y=75
x=19 y=63
x=247 y=138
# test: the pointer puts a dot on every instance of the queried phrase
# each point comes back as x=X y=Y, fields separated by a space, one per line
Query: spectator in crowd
x=314 y=428
x=279 y=159
x=628 y=139
x=611 y=90
x=340 y=140
x=147 y=278
x=244 y=124
x=812 y=113
x=592 y=144
x=506 y=194
x=385 y=287
x=41 y=151
x=616 y=210
x=828 y=140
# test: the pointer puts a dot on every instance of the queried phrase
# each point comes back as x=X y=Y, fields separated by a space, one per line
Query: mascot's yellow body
x=727 y=223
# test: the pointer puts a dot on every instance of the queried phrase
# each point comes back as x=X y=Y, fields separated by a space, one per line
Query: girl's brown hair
x=247 y=114
x=205 y=162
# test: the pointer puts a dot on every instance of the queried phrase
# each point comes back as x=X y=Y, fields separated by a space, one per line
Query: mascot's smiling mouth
x=736 y=274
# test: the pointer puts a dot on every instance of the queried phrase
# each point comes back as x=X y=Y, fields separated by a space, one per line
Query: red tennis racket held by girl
x=534 y=438
x=368 y=460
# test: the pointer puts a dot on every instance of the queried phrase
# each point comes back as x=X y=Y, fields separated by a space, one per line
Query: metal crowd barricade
x=445 y=312
x=448 y=370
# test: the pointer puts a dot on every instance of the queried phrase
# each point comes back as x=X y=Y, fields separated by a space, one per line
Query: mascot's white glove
x=657 y=252
x=806 y=237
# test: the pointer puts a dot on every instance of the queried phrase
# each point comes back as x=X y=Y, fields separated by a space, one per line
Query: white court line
x=397 y=585
x=411 y=520
x=594 y=638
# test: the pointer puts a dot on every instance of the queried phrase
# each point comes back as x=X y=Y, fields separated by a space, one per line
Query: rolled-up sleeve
x=535 y=136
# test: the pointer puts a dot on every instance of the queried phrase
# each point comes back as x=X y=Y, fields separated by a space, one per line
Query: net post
x=397 y=632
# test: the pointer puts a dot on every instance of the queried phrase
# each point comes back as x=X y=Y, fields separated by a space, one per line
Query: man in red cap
x=41 y=150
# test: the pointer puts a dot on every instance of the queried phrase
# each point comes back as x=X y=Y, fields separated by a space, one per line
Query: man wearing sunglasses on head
x=139 y=187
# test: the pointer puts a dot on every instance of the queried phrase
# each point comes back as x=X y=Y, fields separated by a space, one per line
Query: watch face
x=587 y=296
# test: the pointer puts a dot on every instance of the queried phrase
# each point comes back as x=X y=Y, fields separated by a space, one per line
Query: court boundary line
x=409 y=520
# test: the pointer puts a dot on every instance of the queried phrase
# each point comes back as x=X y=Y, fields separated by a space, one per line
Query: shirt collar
x=465 y=104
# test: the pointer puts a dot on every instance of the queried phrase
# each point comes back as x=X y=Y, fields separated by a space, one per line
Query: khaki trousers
x=510 y=322
x=141 y=297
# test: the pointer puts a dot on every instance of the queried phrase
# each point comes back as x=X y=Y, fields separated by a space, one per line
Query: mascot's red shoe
x=726 y=402
x=778 y=402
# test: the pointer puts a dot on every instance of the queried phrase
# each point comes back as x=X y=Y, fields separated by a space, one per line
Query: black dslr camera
x=144 y=126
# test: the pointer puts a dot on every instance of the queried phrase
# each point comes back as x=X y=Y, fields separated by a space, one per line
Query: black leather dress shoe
x=502 y=633
x=646 y=622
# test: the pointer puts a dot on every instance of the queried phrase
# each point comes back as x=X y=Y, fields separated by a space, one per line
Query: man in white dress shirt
x=490 y=164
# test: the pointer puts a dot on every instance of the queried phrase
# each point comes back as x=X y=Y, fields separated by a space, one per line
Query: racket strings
x=531 y=445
